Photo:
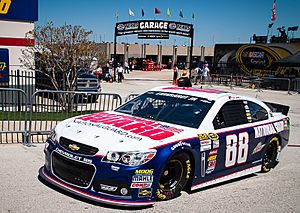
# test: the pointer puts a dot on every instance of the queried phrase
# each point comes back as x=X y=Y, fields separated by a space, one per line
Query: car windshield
x=172 y=108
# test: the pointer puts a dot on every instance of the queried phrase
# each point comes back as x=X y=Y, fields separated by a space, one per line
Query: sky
x=216 y=21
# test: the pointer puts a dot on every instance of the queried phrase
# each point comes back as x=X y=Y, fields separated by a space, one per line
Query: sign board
x=158 y=27
x=21 y=10
x=4 y=66
x=152 y=36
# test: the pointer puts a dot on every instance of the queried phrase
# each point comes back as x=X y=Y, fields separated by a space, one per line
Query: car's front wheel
x=269 y=159
x=174 y=177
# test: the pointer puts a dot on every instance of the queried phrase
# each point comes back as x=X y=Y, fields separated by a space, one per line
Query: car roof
x=210 y=94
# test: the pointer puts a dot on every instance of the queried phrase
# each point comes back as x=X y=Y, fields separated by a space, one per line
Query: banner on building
x=4 y=66
x=158 y=27
x=20 y=10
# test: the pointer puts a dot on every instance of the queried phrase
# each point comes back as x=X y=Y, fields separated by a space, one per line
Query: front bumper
x=95 y=180
x=91 y=196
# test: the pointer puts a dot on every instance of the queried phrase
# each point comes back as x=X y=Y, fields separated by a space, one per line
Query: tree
x=61 y=51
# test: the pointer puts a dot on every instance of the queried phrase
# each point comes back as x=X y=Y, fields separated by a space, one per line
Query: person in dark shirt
x=184 y=80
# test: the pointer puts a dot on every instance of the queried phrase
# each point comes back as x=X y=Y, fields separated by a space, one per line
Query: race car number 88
x=236 y=149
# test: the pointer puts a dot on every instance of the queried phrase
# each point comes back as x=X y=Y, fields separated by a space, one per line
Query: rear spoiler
x=278 y=108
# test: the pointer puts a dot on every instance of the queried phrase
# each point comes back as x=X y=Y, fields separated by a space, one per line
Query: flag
x=273 y=18
x=193 y=16
x=131 y=13
x=156 y=11
x=270 y=25
x=181 y=14
x=168 y=12
x=143 y=13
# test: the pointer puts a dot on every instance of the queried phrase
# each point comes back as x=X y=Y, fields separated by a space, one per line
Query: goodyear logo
x=4 y=6
x=2 y=64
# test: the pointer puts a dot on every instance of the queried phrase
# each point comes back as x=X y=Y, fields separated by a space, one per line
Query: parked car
x=164 y=141
x=87 y=82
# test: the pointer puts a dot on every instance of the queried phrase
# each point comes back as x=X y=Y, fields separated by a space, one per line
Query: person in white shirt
x=120 y=72
x=126 y=67
x=205 y=73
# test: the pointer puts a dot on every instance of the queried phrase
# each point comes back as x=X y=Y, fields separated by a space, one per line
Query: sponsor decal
x=213 y=136
x=172 y=26
x=74 y=157
x=140 y=185
x=74 y=147
x=180 y=144
x=216 y=144
x=211 y=166
x=143 y=178
x=234 y=97
x=124 y=125
x=268 y=129
x=203 y=136
x=108 y=188
x=213 y=152
x=205 y=145
x=212 y=158
x=120 y=27
x=171 y=129
x=144 y=171
x=145 y=192
x=258 y=148
x=115 y=168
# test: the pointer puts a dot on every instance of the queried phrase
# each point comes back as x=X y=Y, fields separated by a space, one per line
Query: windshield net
x=172 y=108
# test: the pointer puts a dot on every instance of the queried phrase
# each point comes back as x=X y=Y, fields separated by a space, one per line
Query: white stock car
x=164 y=141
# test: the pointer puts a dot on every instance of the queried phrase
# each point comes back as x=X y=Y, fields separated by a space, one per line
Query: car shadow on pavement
x=221 y=184
x=87 y=200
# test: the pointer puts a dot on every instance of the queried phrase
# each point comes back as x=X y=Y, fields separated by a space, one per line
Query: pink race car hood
x=112 y=131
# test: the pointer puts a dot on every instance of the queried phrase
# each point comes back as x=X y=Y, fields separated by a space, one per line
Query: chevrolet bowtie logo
x=4 y=6
x=74 y=147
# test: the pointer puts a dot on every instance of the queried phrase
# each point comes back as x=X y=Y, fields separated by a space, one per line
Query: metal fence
x=296 y=85
x=27 y=122
x=14 y=115
x=130 y=97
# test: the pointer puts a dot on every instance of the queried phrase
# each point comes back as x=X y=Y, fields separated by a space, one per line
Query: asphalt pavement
x=276 y=191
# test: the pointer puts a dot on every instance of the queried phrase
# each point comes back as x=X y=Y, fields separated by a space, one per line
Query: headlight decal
x=129 y=158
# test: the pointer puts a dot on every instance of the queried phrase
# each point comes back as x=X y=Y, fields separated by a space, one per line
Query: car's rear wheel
x=174 y=177
x=269 y=159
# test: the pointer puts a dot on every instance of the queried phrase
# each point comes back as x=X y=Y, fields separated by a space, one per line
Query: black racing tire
x=269 y=159
x=174 y=177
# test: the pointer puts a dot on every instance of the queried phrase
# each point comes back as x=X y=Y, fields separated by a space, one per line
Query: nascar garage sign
x=154 y=27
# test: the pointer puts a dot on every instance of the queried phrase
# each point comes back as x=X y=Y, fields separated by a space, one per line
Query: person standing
x=175 y=74
x=126 y=67
x=120 y=72
x=130 y=66
x=205 y=73
x=198 y=75
x=184 y=80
